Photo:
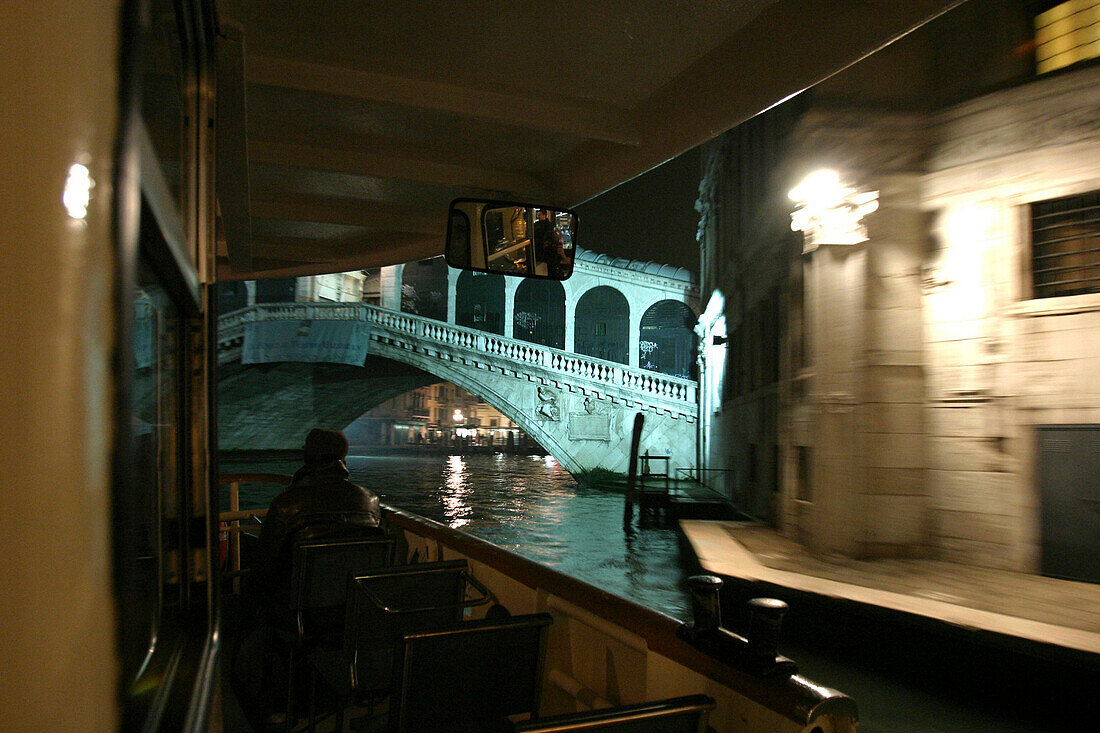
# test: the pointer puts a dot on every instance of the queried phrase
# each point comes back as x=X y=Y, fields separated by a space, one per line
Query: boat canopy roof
x=352 y=125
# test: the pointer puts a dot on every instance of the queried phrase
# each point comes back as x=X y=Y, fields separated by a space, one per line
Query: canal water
x=532 y=506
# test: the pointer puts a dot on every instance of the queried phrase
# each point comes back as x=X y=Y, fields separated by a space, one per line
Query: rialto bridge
x=288 y=366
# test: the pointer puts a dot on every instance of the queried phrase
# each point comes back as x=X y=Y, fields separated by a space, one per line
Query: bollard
x=765 y=617
x=758 y=654
x=706 y=607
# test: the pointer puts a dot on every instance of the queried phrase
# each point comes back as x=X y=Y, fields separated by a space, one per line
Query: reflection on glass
x=529 y=241
x=162 y=91
x=151 y=530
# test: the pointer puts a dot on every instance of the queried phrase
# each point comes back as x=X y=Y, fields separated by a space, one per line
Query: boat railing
x=230 y=521
x=606 y=649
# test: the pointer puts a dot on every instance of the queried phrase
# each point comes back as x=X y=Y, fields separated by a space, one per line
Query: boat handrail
x=230 y=521
x=794 y=697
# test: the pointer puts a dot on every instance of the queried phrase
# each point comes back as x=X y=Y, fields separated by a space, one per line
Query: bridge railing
x=682 y=392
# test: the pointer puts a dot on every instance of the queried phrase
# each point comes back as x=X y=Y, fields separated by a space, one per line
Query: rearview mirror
x=511 y=238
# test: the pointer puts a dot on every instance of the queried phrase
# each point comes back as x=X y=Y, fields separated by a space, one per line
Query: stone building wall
x=1000 y=363
x=916 y=367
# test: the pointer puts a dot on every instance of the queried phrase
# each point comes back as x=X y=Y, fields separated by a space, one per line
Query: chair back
x=385 y=603
x=320 y=570
x=675 y=715
x=476 y=672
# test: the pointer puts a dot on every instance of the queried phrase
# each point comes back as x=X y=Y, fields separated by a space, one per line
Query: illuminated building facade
x=900 y=356
x=442 y=414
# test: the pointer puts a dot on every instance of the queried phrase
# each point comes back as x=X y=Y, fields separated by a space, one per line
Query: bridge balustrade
x=396 y=329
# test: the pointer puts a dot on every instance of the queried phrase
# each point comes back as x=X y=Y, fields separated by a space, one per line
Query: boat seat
x=318 y=590
x=675 y=715
x=468 y=677
x=319 y=579
x=382 y=605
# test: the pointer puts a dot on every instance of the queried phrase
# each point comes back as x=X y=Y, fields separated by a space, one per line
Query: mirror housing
x=511 y=238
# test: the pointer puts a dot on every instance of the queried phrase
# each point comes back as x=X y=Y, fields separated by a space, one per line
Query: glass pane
x=162 y=91
x=154 y=537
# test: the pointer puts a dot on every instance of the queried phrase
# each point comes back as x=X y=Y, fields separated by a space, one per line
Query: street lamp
x=829 y=211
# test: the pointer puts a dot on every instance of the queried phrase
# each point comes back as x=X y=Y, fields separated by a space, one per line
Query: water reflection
x=455 y=489
x=532 y=506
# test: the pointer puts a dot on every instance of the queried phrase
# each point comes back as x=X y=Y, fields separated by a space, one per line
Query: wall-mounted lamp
x=719 y=340
x=829 y=211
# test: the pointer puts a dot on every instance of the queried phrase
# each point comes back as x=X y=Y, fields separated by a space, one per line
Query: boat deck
x=1031 y=608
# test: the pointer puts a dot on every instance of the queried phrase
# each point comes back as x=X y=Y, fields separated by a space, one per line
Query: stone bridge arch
x=579 y=408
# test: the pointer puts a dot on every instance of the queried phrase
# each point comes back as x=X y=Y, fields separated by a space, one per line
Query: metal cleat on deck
x=758 y=654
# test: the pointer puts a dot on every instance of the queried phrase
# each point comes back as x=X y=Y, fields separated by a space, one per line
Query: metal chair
x=318 y=590
x=470 y=676
x=383 y=605
x=675 y=715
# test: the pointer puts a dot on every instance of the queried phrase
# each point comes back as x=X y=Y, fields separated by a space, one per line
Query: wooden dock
x=1031 y=608
x=676 y=498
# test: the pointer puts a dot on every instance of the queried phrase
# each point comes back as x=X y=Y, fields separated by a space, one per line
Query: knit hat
x=325 y=445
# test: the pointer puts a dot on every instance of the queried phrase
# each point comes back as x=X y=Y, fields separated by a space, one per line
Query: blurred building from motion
x=902 y=357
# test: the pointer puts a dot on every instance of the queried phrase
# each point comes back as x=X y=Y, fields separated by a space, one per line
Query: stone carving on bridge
x=547 y=407
x=592 y=424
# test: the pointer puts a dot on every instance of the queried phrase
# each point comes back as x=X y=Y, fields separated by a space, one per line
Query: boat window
x=150 y=529
x=164 y=606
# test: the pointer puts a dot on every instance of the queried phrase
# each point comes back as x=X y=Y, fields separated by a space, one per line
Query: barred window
x=1065 y=253
x=1067 y=33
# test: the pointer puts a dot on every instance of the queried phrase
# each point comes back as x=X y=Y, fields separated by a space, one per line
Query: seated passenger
x=320 y=503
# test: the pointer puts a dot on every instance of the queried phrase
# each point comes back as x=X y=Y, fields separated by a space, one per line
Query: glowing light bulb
x=830 y=212
x=820 y=188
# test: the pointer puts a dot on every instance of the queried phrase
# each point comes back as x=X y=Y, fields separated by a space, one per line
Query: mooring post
x=632 y=472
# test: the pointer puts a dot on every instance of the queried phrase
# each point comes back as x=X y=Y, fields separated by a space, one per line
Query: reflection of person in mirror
x=543 y=232
x=550 y=247
x=558 y=262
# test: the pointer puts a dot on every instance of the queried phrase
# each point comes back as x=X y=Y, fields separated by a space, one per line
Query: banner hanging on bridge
x=339 y=342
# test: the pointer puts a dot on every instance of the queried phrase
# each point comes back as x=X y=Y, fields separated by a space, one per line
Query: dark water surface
x=532 y=506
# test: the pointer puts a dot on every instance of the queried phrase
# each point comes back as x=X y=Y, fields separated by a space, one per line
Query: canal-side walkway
x=1032 y=608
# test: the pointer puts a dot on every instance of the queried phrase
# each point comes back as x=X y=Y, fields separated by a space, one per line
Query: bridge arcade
x=629 y=312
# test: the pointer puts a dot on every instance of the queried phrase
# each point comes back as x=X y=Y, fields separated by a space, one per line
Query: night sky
x=651 y=217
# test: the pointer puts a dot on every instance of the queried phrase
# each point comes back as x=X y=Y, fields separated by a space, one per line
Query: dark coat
x=320 y=503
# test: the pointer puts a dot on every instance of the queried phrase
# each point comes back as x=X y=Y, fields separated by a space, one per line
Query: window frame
x=167 y=681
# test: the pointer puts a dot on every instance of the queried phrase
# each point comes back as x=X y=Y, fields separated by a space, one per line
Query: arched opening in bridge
x=602 y=326
x=424 y=288
x=666 y=339
x=437 y=418
x=479 y=301
x=539 y=313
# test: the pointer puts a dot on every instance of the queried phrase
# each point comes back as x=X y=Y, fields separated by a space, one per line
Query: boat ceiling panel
x=365 y=119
